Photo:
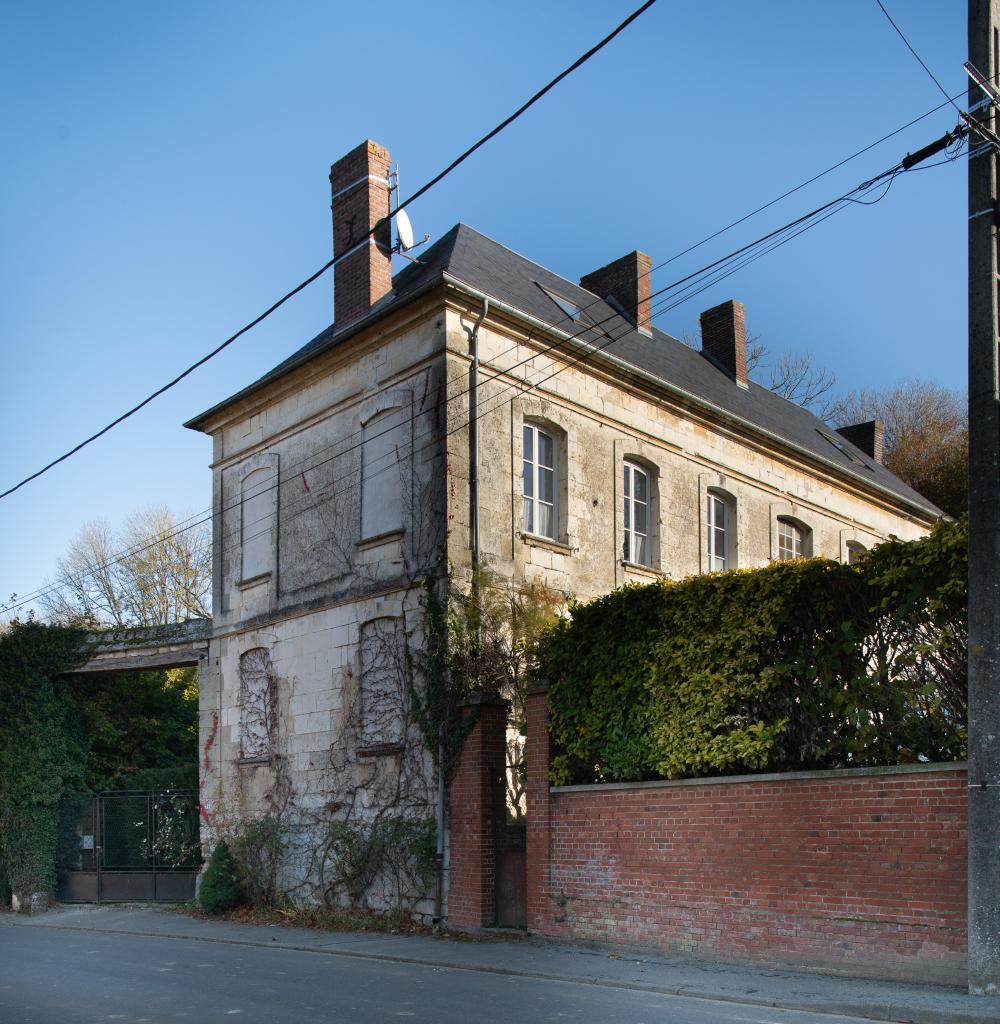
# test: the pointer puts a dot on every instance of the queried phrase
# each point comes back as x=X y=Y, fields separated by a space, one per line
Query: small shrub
x=258 y=846
x=221 y=888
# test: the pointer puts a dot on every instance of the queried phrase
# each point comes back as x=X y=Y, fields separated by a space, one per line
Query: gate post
x=538 y=750
x=477 y=811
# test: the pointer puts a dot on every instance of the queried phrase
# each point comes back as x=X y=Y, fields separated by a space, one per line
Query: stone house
x=476 y=402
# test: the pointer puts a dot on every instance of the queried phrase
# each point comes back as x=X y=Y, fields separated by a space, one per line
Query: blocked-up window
x=383 y=683
x=258 y=504
x=258 y=704
x=383 y=460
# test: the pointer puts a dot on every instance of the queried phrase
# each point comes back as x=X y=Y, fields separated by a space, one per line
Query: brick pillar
x=538 y=752
x=477 y=811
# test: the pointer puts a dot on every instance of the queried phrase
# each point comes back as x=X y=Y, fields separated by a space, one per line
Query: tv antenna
x=404 y=229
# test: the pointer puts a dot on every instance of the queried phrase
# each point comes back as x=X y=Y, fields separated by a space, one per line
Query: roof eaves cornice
x=687 y=397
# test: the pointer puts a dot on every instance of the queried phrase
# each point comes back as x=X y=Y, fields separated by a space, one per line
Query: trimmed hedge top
x=799 y=665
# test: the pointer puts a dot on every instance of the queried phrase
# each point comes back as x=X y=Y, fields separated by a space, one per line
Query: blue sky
x=165 y=179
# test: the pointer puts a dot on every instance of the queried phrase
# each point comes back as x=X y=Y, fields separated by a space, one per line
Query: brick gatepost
x=538 y=753
x=477 y=810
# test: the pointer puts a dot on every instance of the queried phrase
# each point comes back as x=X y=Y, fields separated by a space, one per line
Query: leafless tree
x=795 y=377
x=145 y=574
x=926 y=440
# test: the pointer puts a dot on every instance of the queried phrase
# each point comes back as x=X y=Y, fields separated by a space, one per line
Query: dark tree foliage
x=141 y=729
x=61 y=734
x=803 y=664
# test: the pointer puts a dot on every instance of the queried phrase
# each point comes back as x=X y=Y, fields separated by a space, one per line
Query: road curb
x=897 y=1013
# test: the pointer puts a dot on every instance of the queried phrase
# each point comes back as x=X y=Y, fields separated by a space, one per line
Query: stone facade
x=600 y=423
x=342 y=482
x=315 y=585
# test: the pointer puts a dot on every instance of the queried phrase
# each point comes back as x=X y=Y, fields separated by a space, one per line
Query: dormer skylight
x=570 y=309
x=843 y=448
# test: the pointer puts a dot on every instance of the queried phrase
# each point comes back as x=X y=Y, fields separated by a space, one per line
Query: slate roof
x=466 y=256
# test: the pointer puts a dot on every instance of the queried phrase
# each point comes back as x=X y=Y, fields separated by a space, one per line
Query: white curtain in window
x=791 y=540
x=717 y=519
x=539 y=482
x=636 y=494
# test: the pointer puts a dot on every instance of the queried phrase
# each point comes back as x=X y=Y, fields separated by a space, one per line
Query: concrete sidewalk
x=537 y=958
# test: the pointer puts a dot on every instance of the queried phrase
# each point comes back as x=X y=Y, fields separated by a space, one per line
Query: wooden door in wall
x=511 y=880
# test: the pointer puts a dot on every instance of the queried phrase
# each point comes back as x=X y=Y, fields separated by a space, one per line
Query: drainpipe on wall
x=474 y=519
x=474 y=446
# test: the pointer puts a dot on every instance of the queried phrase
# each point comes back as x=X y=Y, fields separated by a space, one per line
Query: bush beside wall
x=799 y=665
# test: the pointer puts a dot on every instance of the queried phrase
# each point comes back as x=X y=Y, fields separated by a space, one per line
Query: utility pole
x=984 y=514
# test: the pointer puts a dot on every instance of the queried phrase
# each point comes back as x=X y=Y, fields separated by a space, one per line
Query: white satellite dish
x=404 y=231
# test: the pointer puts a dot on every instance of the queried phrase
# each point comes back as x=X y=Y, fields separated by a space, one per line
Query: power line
x=920 y=61
x=579 y=62
x=696 y=283
x=804 y=184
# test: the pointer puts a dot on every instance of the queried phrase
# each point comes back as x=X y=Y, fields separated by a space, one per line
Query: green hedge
x=41 y=750
x=802 y=664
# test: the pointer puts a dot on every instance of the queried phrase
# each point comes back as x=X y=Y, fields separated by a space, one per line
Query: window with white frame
x=719 y=525
x=855 y=552
x=793 y=540
x=539 y=482
x=636 y=494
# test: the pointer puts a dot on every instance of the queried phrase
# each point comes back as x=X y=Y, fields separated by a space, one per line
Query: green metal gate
x=128 y=846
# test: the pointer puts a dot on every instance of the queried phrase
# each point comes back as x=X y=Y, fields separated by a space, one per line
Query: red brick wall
x=476 y=810
x=830 y=869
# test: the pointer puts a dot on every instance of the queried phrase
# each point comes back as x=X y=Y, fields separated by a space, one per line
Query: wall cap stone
x=722 y=780
x=483 y=700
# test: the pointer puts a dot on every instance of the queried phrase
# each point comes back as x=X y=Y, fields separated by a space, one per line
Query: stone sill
x=253 y=581
x=379 y=539
x=547 y=543
x=380 y=750
x=643 y=570
x=251 y=762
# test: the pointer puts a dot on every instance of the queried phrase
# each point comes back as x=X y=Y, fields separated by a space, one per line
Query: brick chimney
x=724 y=339
x=867 y=436
x=627 y=282
x=360 y=198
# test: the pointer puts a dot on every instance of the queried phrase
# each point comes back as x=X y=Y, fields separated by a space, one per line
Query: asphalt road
x=48 y=976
